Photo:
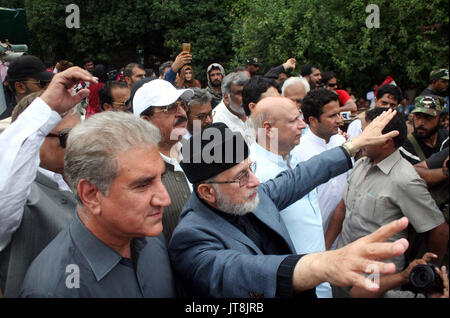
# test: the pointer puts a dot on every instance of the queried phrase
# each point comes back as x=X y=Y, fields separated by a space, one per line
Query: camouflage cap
x=439 y=74
x=428 y=105
x=253 y=61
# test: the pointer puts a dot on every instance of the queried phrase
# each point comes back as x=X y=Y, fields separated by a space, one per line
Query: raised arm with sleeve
x=19 y=161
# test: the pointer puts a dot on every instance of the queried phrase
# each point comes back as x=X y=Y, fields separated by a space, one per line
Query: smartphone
x=186 y=47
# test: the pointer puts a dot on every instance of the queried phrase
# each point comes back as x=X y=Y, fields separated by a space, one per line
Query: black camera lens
x=424 y=278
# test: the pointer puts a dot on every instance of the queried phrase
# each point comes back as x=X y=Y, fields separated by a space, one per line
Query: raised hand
x=372 y=134
x=58 y=94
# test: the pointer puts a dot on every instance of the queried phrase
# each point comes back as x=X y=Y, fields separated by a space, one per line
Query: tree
x=411 y=41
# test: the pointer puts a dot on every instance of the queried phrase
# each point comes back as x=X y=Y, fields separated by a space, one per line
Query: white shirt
x=354 y=129
x=222 y=114
x=329 y=193
x=302 y=218
x=176 y=164
x=57 y=178
x=19 y=160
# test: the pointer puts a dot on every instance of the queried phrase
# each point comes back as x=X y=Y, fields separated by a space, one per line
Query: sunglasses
x=63 y=135
x=41 y=84
x=171 y=109
x=332 y=84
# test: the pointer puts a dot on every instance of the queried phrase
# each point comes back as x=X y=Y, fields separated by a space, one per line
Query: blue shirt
x=78 y=264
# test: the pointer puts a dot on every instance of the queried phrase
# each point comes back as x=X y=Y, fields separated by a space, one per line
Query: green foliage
x=333 y=34
x=412 y=38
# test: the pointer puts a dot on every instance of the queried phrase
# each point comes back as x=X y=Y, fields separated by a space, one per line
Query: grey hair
x=236 y=78
x=200 y=97
x=294 y=80
x=93 y=146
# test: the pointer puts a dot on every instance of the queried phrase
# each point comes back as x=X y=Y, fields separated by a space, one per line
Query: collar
x=388 y=163
x=100 y=257
x=316 y=139
x=173 y=162
x=270 y=156
x=56 y=177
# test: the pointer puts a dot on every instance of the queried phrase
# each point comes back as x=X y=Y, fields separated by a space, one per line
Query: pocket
x=365 y=207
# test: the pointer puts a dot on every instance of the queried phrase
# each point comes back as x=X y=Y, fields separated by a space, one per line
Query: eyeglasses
x=62 y=137
x=42 y=84
x=171 y=109
x=332 y=84
x=125 y=105
x=241 y=178
x=203 y=116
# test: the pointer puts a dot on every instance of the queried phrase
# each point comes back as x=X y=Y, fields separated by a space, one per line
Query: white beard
x=237 y=109
x=225 y=205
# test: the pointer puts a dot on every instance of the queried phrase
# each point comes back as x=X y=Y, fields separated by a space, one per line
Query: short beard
x=428 y=134
x=225 y=205
x=216 y=83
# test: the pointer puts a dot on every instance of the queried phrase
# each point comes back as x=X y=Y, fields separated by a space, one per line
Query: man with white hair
x=231 y=111
x=115 y=170
x=161 y=104
x=295 y=88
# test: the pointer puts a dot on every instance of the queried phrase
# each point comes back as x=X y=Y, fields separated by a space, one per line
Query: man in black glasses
x=25 y=75
x=346 y=103
x=160 y=103
x=230 y=241
x=36 y=203
x=199 y=112
x=114 y=96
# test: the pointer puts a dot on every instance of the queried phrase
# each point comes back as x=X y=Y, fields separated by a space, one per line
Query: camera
x=424 y=279
x=9 y=52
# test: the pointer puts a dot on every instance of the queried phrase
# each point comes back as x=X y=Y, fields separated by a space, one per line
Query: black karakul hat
x=212 y=151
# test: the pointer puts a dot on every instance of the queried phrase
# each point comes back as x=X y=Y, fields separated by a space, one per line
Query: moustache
x=180 y=120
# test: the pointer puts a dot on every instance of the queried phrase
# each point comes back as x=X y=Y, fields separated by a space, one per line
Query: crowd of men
x=148 y=185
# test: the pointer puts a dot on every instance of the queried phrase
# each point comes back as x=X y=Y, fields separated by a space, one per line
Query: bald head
x=276 y=121
x=272 y=108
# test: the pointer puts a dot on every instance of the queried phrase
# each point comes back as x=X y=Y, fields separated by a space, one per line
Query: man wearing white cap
x=160 y=103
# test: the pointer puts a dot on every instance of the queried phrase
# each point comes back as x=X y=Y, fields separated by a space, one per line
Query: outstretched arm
x=343 y=267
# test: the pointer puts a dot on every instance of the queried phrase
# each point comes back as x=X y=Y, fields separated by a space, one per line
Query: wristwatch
x=348 y=146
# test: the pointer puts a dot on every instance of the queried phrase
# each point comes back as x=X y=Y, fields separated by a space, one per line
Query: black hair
x=397 y=123
x=163 y=66
x=104 y=93
x=315 y=100
x=326 y=76
x=128 y=70
x=252 y=91
x=100 y=72
x=87 y=60
x=391 y=90
x=308 y=69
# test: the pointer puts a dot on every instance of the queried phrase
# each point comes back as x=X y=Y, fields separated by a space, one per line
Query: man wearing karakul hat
x=230 y=241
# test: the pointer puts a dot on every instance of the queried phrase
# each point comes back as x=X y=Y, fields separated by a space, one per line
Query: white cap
x=158 y=93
